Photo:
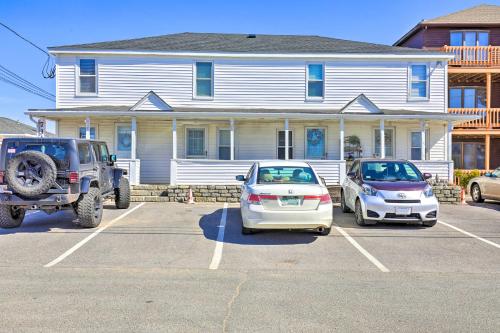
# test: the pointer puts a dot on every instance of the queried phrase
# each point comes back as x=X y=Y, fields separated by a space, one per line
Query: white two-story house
x=199 y=108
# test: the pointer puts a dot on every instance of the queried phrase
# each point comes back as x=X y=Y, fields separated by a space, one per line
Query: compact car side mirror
x=240 y=178
x=488 y=174
x=351 y=175
x=427 y=175
x=112 y=158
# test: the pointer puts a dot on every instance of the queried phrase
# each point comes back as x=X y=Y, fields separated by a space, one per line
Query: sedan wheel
x=476 y=193
x=358 y=213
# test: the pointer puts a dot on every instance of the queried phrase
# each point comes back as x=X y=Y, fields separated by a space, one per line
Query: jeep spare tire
x=31 y=173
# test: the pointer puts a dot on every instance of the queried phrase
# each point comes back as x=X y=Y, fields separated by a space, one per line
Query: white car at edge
x=284 y=195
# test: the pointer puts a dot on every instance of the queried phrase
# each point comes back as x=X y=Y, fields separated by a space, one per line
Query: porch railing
x=223 y=172
x=474 y=55
x=490 y=118
x=133 y=168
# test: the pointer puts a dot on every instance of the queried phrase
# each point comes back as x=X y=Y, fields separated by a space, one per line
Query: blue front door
x=315 y=143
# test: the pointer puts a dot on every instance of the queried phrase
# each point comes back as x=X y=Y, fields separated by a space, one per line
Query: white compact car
x=388 y=190
x=284 y=195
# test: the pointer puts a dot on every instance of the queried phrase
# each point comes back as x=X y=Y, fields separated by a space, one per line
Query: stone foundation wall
x=446 y=193
x=180 y=193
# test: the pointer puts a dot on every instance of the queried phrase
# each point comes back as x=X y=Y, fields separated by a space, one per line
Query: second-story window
x=204 y=80
x=419 y=82
x=315 y=81
x=87 y=77
x=469 y=38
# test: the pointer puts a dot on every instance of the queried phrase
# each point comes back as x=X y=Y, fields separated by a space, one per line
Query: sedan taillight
x=254 y=199
x=323 y=199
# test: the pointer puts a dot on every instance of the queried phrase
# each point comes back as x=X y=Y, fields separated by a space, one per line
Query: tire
x=10 y=218
x=122 y=194
x=429 y=224
x=31 y=173
x=89 y=208
x=343 y=205
x=358 y=214
x=475 y=193
x=325 y=231
x=247 y=231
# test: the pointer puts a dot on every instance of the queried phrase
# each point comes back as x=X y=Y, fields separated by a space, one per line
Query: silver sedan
x=485 y=187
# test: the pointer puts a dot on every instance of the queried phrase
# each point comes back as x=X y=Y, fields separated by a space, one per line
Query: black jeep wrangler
x=52 y=174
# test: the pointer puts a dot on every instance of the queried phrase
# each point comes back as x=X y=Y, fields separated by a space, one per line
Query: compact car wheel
x=358 y=213
x=476 y=193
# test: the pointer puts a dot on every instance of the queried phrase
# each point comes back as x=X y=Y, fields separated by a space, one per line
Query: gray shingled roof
x=9 y=126
x=241 y=43
x=482 y=14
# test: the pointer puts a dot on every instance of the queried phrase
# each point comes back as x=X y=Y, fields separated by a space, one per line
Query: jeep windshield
x=390 y=171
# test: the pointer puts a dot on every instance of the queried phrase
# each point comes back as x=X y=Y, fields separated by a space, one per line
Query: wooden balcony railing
x=474 y=55
x=490 y=118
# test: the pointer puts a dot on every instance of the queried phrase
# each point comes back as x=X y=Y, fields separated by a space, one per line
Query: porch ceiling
x=464 y=78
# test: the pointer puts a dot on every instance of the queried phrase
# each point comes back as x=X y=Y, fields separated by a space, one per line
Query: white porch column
x=133 y=138
x=422 y=140
x=341 y=131
x=87 y=128
x=449 y=147
x=287 y=144
x=174 y=138
x=382 y=138
x=231 y=133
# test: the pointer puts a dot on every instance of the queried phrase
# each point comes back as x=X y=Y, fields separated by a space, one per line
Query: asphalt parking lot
x=177 y=267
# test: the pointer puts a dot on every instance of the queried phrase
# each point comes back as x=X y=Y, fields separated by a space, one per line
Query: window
x=286 y=175
x=224 y=144
x=97 y=151
x=467 y=97
x=104 y=152
x=390 y=171
x=315 y=143
x=418 y=82
x=315 y=81
x=83 y=131
x=84 y=153
x=416 y=145
x=469 y=38
x=195 y=143
x=281 y=145
x=204 y=80
x=87 y=76
x=389 y=142
x=468 y=155
x=123 y=140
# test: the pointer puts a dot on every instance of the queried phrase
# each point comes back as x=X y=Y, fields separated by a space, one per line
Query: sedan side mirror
x=351 y=175
x=240 y=178
x=427 y=175
x=112 y=158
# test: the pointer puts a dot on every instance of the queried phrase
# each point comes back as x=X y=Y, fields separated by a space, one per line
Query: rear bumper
x=386 y=211
x=254 y=216
x=52 y=200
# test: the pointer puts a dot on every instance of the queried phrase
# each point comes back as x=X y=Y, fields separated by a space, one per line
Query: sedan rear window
x=286 y=175
x=390 y=171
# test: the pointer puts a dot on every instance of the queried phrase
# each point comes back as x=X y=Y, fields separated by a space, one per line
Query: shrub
x=465 y=175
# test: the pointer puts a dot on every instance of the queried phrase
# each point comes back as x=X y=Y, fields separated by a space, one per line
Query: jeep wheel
x=31 y=173
x=11 y=218
x=122 y=194
x=89 y=208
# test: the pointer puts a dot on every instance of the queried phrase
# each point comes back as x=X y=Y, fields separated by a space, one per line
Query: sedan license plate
x=403 y=211
x=290 y=201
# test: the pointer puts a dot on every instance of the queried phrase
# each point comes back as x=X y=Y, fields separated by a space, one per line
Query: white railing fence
x=443 y=169
x=133 y=168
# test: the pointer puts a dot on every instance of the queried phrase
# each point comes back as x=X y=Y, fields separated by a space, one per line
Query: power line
x=48 y=69
x=26 y=89
x=23 y=81
x=16 y=80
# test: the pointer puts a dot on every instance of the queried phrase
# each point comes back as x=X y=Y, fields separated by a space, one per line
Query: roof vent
x=251 y=36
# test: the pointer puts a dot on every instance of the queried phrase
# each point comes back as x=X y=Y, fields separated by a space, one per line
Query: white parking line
x=470 y=234
x=89 y=237
x=220 y=240
x=363 y=251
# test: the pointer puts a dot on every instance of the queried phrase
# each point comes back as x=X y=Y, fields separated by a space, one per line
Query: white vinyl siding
x=249 y=83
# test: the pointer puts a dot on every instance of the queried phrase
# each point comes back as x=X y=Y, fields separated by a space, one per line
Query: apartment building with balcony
x=473 y=36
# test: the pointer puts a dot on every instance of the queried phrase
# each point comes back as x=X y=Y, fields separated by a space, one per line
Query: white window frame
x=205 y=130
x=85 y=128
x=218 y=142
x=325 y=156
x=195 y=95
x=77 y=78
x=463 y=31
x=393 y=140
x=291 y=144
x=116 y=140
x=427 y=142
x=428 y=81
x=315 y=98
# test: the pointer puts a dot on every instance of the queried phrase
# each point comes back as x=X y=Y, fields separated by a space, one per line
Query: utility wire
x=26 y=89
x=49 y=69
x=23 y=81
x=16 y=80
